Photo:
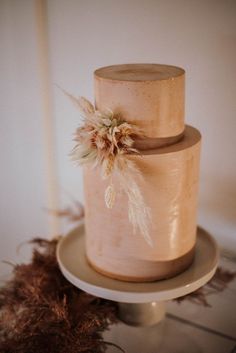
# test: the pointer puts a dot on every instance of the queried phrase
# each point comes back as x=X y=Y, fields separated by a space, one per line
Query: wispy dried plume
x=41 y=312
x=106 y=140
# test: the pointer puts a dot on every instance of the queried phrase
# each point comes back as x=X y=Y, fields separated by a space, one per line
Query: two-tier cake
x=165 y=155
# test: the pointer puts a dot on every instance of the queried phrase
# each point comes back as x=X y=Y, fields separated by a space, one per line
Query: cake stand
x=139 y=303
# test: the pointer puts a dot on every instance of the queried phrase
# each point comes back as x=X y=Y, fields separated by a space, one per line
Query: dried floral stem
x=41 y=312
x=217 y=284
x=107 y=140
x=139 y=213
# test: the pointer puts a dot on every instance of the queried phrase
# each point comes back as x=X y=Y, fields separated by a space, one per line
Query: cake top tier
x=149 y=95
x=139 y=72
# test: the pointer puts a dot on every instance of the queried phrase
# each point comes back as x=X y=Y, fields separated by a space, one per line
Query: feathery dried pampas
x=107 y=140
x=41 y=312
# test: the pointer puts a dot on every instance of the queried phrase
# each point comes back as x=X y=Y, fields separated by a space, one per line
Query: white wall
x=22 y=175
x=199 y=36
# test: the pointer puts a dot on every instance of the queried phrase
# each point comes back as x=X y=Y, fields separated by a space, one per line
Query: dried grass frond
x=139 y=213
x=217 y=284
x=110 y=195
x=41 y=312
x=74 y=213
x=106 y=140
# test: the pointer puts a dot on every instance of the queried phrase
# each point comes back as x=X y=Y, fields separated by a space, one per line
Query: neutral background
x=36 y=173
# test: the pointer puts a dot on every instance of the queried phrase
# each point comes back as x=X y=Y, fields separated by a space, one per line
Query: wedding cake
x=141 y=171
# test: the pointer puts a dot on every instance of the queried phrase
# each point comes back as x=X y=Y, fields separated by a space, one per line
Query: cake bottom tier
x=145 y=271
x=169 y=187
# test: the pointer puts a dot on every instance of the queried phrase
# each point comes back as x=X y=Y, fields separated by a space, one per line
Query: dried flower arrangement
x=41 y=312
x=107 y=141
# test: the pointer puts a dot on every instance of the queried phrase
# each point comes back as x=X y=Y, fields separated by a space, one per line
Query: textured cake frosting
x=151 y=96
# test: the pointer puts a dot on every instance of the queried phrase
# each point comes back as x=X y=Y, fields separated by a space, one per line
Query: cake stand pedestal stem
x=142 y=314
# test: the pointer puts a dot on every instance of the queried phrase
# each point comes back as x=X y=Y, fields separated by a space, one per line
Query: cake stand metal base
x=143 y=314
x=139 y=303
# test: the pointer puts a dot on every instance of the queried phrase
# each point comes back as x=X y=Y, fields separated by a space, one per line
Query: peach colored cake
x=152 y=97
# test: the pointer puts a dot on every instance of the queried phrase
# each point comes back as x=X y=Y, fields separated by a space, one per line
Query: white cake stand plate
x=139 y=303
